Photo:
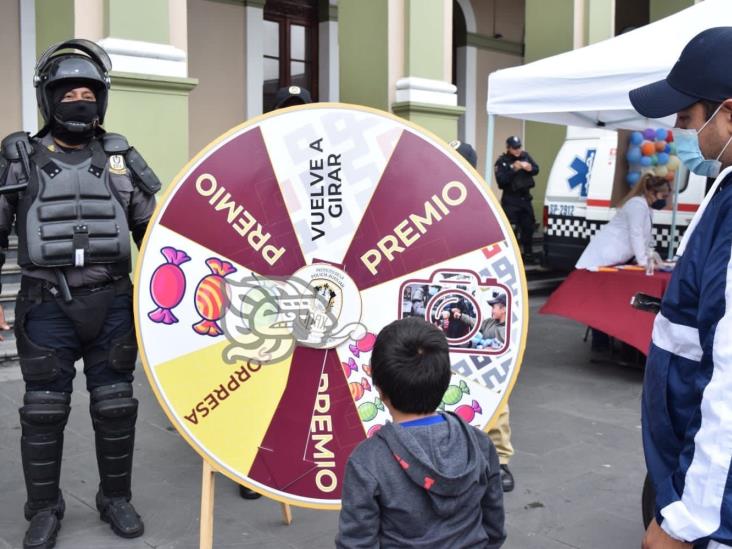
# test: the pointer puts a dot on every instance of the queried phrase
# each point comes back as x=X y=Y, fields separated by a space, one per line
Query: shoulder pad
x=114 y=143
x=9 y=145
x=143 y=175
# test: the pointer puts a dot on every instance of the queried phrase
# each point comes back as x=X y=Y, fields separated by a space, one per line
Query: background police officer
x=74 y=193
x=515 y=171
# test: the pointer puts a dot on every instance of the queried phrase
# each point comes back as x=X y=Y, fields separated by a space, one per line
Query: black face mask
x=74 y=122
x=658 y=204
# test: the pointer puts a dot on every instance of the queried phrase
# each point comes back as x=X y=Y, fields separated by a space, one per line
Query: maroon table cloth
x=602 y=300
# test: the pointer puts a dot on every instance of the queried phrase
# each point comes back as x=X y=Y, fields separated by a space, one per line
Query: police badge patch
x=117 y=164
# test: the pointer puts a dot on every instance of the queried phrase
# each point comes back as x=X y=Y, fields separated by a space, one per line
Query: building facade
x=185 y=71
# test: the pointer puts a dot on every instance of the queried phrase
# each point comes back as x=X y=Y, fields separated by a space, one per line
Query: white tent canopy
x=589 y=86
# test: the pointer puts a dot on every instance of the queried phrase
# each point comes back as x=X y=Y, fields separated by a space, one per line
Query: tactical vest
x=70 y=215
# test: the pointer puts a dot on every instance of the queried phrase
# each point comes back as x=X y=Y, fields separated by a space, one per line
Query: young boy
x=428 y=479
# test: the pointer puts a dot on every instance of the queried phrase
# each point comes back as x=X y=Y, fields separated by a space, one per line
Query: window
x=290 y=47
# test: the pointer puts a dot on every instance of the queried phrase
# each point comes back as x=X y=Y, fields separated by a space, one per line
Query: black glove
x=4 y=240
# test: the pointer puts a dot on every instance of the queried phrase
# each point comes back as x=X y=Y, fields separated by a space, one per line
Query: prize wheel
x=275 y=257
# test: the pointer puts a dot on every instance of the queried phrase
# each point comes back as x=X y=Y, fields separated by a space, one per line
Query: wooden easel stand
x=208 y=486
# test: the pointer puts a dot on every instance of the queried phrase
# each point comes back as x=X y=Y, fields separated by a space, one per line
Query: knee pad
x=44 y=412
x=112 y=407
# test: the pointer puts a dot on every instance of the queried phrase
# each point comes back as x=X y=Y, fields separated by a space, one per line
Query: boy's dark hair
x=410 y=364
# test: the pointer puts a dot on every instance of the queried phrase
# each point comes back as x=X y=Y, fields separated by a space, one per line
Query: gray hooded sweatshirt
x=428 y=486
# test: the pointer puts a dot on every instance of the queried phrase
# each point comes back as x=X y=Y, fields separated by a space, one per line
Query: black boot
x=43 y=529
x=43 y=418
x=114 y=413
x=248 y=493
x=507 y=482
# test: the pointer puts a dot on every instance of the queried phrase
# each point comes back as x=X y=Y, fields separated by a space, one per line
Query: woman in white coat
x=628 y=235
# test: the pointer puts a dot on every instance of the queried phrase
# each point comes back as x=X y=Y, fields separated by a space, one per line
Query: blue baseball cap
x=703 y=71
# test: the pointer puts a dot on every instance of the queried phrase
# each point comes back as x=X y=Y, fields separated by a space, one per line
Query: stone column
x=424 y=93
x=403 y=62
x=254 y=55
x=328 y=50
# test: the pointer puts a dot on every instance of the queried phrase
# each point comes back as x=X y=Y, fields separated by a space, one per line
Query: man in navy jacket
x=687 y=393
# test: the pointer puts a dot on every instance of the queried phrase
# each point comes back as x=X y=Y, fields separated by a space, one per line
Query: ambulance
x=587 y=181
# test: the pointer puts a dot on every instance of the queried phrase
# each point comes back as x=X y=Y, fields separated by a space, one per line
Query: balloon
x=663 y=158
x=661 y=134
x=673 y=162
x=649 y=133
x=654 y=160
x=673 y=148
x=669 y=136
x=648 y=148
x=670 y=176
x=633 y=155
x=661 y=171
x=660 y=146
x=636 y=138
x=632 y=178
x=646 y=161
x=667 y=148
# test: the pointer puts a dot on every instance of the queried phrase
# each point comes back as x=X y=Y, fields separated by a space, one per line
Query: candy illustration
x=358 y=389
x=363 y=345
x=349 y=367
x=211 y=297
x=168 y=286
x=455 y=392
x=366 y=368
x=372 y=431
x=468 y=411
x=368 y=410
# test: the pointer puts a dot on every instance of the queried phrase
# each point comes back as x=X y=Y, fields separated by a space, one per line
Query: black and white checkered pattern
x=567 y=227
x=583 y=229
x=662 y=235
x=593 y=227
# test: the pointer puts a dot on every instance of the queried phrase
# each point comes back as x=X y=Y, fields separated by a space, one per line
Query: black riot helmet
x=53 y=70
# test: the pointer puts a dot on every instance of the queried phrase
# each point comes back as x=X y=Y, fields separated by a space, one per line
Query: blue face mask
x=659 y=204
x=688 y=151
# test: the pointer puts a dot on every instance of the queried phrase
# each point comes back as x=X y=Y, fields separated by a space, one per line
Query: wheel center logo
x=318 y=307
x=336 y=309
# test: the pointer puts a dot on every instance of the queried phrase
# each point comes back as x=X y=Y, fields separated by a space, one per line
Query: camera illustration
x=474 y=314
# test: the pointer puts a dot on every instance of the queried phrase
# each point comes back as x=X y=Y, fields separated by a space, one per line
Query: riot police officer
x=74 y=193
